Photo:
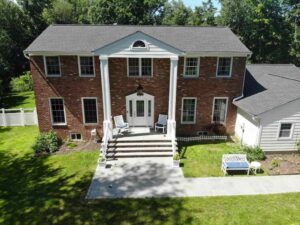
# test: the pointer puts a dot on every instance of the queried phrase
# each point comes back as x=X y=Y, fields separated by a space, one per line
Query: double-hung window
x=224 y=67
x=90 y=112
x=139 y=67
x=52 y=66
x=188 y=111
x=57 y=108
x=285 y=130
x=191 y=67
x=220 y=110
x=86 y=66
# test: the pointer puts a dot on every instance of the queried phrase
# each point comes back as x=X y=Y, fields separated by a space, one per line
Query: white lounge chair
x=120 y=124
x=161 y=123
x=235 y=162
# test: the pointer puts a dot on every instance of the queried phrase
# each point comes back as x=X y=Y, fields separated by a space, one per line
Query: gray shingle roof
x=86 y=38
x=268 y=86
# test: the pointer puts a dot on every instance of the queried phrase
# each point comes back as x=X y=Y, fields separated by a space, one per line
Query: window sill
x=59 y=124
x=88 y=76
x=227 y=77
x=58 y=75
x=90 y=124
x=188 y=123
x=190 y=77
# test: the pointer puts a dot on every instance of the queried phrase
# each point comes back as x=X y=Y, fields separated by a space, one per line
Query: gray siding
x=270 y=121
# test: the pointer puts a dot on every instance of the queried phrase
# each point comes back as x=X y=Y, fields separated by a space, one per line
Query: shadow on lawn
x=32 y=191
x=13 y=101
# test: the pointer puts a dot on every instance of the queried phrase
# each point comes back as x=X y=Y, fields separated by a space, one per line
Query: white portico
x=138 y=45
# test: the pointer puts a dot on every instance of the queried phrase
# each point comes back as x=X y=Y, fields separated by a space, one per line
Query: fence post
x=22 y=117
x=4 y=117
x=35 y=116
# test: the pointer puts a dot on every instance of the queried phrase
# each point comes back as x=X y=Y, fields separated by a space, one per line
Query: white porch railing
x=18 y=117
x=106 y=136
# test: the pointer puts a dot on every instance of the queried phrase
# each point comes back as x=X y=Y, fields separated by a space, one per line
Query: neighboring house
x=269 y=113
x=85 y=74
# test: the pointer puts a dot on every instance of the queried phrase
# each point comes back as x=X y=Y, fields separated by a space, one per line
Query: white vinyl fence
x=18 y=117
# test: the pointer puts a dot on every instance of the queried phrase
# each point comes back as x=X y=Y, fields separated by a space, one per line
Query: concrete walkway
x=157 y=178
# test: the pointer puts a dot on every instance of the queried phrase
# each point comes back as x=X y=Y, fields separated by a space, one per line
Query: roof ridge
x=131 y=25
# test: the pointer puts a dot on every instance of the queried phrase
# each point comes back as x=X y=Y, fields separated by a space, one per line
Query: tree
x=33 y=10
x=15 y=35
x=262 y=27
x=126 y=11
x=176 y=13
x=205 y=14
x=60 y=12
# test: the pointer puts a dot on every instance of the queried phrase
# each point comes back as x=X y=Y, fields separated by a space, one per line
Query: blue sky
x=193 y=3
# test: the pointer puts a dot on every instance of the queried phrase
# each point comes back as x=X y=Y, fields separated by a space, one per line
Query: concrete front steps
x=139 y=148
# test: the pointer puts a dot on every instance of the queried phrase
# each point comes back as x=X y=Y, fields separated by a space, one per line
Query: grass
x=19 y=100
x=204 y=160
x=51 y=190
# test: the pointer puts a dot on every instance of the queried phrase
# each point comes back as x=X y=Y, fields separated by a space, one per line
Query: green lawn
x=19 y=100
x=51 y=190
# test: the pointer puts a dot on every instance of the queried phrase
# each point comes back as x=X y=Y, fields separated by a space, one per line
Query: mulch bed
x=282 y=164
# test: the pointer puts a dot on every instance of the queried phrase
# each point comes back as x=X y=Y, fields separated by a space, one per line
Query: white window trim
x=79 y=66
x=50 y=109
x=76 y=134
x=46 y=68
x=291 y=133
x=213 y=110
x=184 y=67
x=139 y=48
x=140 y=68
x=195 y=110
x=83 y=114
x=231 y=63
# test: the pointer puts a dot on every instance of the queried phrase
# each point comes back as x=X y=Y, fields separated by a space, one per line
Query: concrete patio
x=155 y=177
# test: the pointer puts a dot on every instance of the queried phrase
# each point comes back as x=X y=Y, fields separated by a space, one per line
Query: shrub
x=254 y=153
x=274 y=163
x=22 y=83
x=46 y=142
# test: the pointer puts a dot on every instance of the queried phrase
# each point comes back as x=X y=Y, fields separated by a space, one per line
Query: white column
x=105 y=92
x=172 y=97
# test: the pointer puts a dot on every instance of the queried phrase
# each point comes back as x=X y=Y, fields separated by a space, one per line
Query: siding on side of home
x=244 y=121
x=270 y=122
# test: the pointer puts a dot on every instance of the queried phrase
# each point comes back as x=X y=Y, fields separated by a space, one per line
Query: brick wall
x=72 y=87
x=69 y=86
x=205 y=88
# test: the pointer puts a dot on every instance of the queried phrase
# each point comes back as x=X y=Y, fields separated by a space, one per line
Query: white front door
x=140 y=110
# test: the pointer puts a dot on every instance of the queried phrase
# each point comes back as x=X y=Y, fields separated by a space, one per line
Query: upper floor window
x=139 y=44
x=57 y=108
x=285 y=130
x=191 y=67
x=220 y=110
x=52 y=66
x=224 y=67
x=188 y=111
x=86 y=66
x=139 y=67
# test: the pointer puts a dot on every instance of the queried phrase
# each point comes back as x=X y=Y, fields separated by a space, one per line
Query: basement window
x=76 y=137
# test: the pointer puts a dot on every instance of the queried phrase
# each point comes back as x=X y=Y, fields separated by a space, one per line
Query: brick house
x=84 y=75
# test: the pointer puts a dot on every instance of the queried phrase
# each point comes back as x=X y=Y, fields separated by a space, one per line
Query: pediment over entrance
x=125 y=47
